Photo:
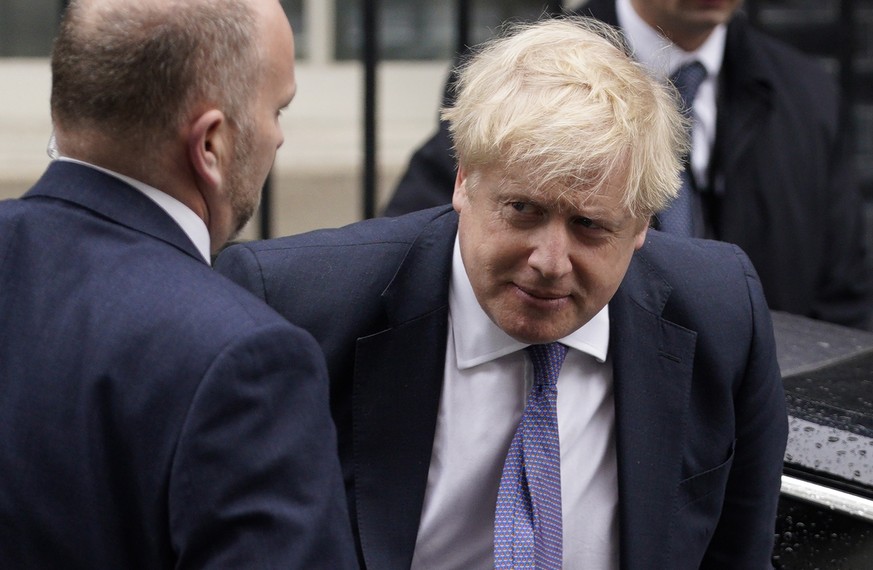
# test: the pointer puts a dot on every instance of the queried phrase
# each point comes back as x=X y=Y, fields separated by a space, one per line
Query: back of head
x=131 y=70
x=562 y=100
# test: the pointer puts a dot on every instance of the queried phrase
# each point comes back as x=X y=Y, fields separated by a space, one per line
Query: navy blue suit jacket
x=153 y=414
x=700 y=414
x=781 y=182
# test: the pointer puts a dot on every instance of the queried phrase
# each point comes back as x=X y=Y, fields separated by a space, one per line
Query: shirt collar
x=661 y=56
x=478 y=340
x=193 y=226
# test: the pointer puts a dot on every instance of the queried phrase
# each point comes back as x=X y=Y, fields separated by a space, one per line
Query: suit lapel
x=744 y=100
x=653 y=360
x=111 y=198
x=398 y=381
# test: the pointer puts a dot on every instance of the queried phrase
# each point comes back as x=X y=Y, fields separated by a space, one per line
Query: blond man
x=532 y=377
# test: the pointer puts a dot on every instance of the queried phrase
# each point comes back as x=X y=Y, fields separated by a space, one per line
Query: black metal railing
x=370 y=55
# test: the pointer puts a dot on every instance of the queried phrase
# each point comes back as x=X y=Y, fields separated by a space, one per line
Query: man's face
x=260 y=135
x=686 y=21
x=543 y=263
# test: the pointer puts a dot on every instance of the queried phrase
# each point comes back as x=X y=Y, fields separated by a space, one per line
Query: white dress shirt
x=192 y=224
x=662 y=58
x=486 y=382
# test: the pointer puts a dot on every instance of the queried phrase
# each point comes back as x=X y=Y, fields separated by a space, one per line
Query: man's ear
x=640 y=239
x=459 y=196
x=208 y=147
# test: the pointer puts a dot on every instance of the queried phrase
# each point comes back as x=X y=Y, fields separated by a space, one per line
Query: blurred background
x=325 y=174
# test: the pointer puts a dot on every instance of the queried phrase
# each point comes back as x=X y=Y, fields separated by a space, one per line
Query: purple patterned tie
x=527 y=526
x=678 y=218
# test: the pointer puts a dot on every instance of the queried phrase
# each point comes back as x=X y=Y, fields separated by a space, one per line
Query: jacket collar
x=421 y=284
x=113 y=199
x=746 y=95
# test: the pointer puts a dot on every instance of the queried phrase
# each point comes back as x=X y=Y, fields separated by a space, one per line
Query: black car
x=826 y=507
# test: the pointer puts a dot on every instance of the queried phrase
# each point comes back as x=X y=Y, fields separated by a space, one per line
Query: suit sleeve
x=745 y=533
x=255 y=481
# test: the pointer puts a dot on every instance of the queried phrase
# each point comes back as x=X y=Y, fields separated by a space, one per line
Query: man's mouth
x=542 y=294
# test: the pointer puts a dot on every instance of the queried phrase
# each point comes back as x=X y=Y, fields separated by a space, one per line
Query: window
x=294 y=11
x=424 y=29
x=27 y=27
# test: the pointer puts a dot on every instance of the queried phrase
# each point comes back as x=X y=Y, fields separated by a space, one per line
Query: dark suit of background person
x=780 y=185
x=375 y=296
x=154 y=414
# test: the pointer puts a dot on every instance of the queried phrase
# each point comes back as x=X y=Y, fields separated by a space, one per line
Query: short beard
x=244 y=196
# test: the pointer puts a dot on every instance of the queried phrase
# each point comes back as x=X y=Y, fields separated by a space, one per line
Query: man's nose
x=551 y=251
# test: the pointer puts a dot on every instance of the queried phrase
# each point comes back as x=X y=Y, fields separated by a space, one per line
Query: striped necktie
x=678 y=218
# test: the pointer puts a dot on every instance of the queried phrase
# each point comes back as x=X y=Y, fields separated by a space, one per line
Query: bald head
x=131 y=70
x=182 y=95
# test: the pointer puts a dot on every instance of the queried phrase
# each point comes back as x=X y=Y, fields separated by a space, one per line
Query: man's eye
x=586 y=222
x=522 y=207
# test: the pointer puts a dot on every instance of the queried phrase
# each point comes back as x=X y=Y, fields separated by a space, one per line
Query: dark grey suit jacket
x=153 y=414
x=781 y=182
x=700 y=415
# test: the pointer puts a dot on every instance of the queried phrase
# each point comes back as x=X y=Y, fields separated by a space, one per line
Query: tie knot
x=547 y=360
x=687 y=80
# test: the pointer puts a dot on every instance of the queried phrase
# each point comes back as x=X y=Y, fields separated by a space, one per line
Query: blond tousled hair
x=562 y=100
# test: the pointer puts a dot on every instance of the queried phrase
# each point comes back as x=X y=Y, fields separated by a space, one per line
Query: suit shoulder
x=331 y=281
x=664 y=245
x=400 y=230
x=204 y=321
x=695 y=263
x=707 y=283
x=364 y=255
x=227 y=308
x=11 y=215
